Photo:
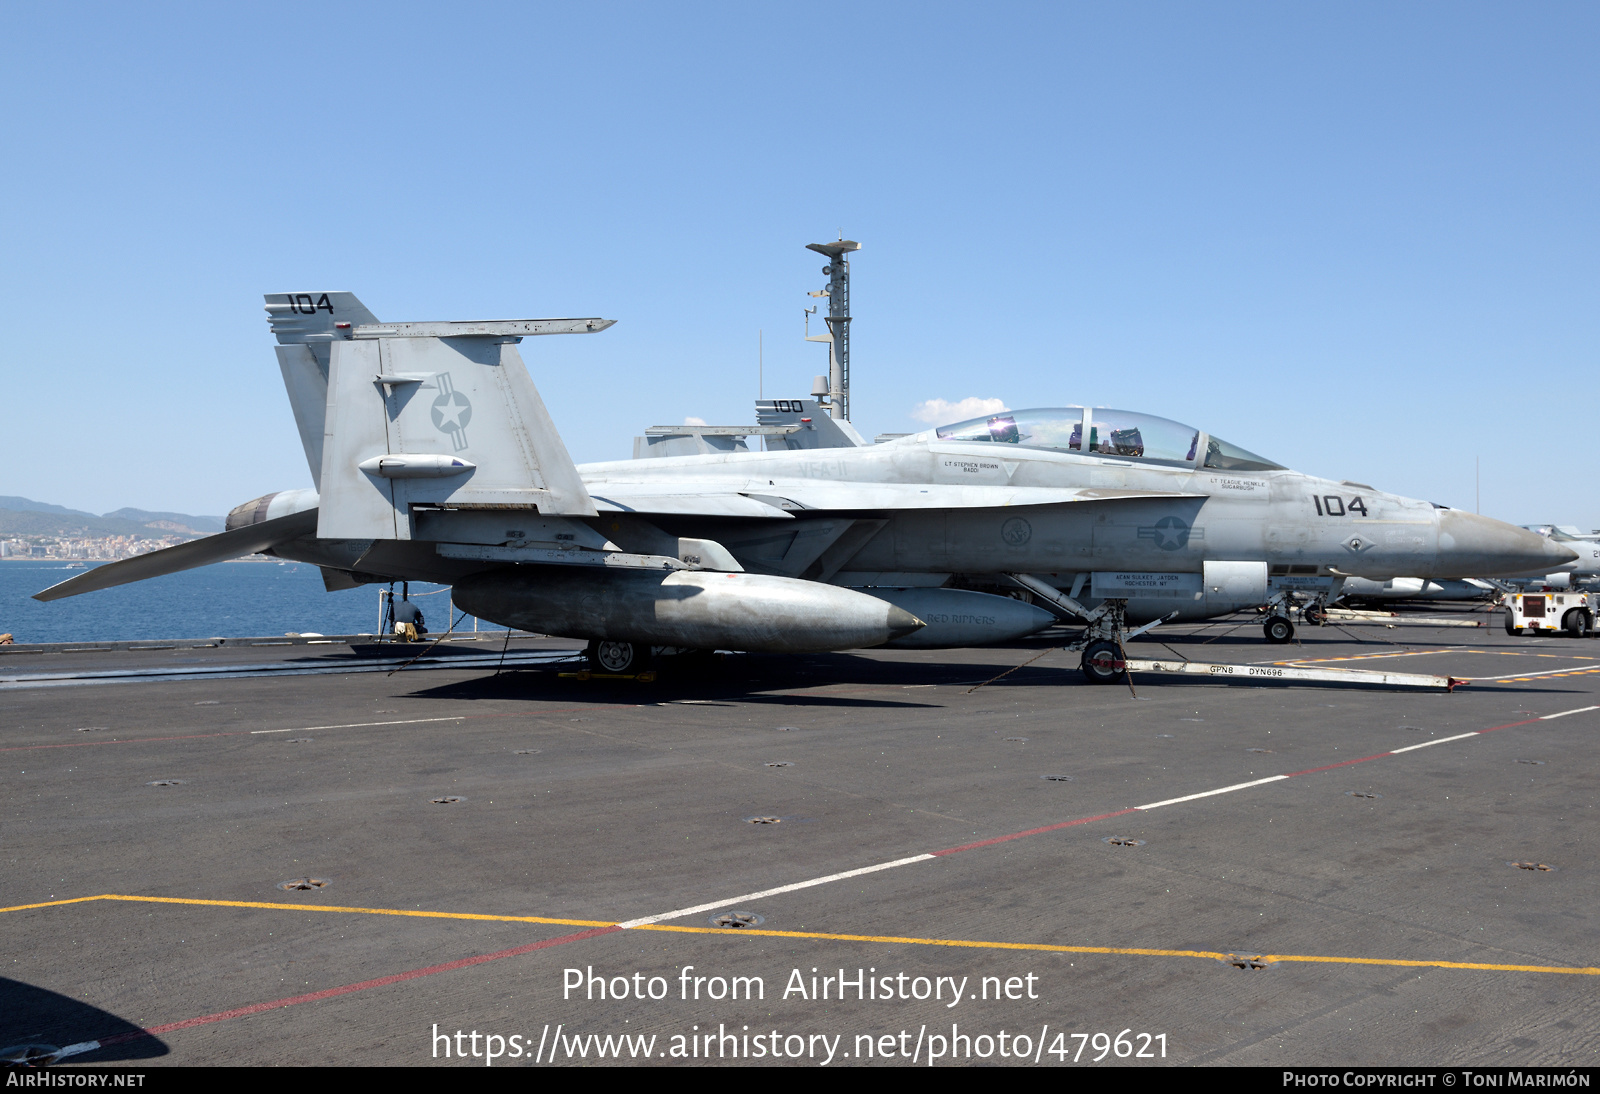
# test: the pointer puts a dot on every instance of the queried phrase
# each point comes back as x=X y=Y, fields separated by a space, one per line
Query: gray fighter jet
x=1583 y=571
x=435 y=459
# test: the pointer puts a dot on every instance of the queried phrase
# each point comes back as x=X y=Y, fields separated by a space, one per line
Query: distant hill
x=28 y=505
x=26 y=517
x=14 y=523
x=208 y=525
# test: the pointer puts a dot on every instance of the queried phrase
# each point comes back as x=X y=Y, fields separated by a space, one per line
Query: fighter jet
x=1582 y=571
x=433 y=458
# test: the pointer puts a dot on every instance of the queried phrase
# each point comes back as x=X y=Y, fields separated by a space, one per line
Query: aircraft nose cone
x=902 y=622
x=1476 y=546
x=1559 y=555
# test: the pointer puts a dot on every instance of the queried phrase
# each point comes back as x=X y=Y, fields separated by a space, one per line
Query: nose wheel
x=620 y=658
x=1103 y=663
x=1278 y=630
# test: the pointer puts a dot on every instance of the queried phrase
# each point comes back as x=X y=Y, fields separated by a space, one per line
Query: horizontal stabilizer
x=186 y=556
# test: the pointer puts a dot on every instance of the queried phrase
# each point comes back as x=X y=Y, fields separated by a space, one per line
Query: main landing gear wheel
x=1278 y=630
x=1315 y=614
x=618 y=658
x=1103 y=663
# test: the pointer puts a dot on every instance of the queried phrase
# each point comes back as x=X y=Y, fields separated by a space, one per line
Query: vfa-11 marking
x=1106 y=516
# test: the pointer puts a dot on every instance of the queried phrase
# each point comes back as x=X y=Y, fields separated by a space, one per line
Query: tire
x=617 y=658
x=1575 y=622
x=1278 y=630
x=1315 y=615
x=1103 y=663
x=1510 y=627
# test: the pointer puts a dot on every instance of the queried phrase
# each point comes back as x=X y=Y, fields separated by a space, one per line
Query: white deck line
x=1209 y=793
x=733 y=902
x=235 y=672
x=1440 y=741
x=1564 y=713
x=363 y=725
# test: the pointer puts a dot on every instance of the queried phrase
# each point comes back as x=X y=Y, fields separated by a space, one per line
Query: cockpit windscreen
x=1222 y=456
x=1122 y=433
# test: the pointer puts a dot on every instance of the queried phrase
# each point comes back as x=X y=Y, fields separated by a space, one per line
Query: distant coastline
x=41 y=531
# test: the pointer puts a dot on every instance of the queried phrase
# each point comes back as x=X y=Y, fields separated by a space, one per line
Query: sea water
x=243 y=599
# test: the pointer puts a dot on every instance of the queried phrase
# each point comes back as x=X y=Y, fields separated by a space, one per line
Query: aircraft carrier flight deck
x=290 y=855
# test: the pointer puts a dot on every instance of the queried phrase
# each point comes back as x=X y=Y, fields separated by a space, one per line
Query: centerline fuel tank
x=690 y=608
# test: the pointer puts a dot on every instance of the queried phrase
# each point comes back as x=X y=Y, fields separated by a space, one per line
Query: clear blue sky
x=1358 y=238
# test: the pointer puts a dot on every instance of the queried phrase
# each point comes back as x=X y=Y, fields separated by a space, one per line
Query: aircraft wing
x=771 y=499
x=186 y=556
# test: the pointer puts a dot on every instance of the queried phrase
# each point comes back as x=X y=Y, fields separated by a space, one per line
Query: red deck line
x=1031 y=832
x=329 y=993
x=1509 y=725
x=1330 y=767
x=1381 y=755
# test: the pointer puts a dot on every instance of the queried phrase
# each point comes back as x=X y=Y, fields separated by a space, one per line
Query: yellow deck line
x=412 y=913
x=956 y=943
x=51 y=903
x=1039 y=947
x=1427 y=653
x=1367 y=656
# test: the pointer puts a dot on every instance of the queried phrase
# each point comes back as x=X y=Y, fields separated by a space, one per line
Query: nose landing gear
x=1104 y=663
x=1281 y=608
x=619 y=658
x=1278 y=630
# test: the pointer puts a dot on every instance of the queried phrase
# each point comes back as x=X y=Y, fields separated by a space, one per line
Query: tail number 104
x=1331 y=505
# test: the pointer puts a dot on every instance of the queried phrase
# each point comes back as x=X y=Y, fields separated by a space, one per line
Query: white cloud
x=692 y=420
x=940 y=412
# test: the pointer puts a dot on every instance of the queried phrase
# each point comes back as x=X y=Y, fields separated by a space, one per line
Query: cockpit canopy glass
x=1125 y=434
x=1566 y=533
x=1222 y=456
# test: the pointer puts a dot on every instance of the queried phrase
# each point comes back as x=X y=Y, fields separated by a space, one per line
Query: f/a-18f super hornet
x=434 y=459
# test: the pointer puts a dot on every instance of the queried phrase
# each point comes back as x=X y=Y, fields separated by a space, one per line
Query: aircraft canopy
x=1125 y=434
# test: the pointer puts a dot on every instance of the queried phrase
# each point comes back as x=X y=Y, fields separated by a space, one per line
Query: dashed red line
x=466 y=962
x=1031 y=832
x=1344 y=763
x=380 y=982
x=1381 y=755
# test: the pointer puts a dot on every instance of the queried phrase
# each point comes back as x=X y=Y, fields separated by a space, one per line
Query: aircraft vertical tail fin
x=439 y=415
x=818 y=429
x=314 y=316
x=306 y=324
